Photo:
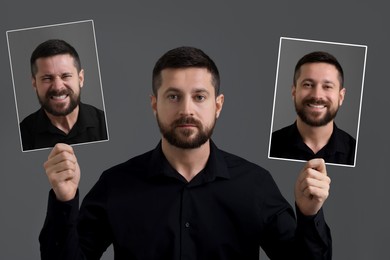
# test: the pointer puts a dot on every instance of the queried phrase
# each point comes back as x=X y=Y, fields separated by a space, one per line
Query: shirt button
x=187 y=224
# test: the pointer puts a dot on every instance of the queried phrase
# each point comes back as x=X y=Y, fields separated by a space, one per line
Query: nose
x=317 y=91
x=186 y=107
x=57 y=83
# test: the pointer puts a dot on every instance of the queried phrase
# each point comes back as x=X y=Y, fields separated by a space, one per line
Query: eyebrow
x=51 y=74
x=177 y=90
x=325 y=81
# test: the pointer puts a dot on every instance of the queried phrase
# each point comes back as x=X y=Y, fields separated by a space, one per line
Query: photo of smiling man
x=318 y=93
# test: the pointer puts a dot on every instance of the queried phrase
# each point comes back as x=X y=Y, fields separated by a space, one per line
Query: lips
x=317 y=106
x=186 y=126
x=58 y=95
x=61 y=97
x=186 y=122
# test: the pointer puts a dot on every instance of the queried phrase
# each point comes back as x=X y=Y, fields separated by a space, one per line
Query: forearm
x=58 y=238
x=313 y=235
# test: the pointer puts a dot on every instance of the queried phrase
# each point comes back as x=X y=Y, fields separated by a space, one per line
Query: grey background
x=351 y=57
x=23 y=41
x=243 y=39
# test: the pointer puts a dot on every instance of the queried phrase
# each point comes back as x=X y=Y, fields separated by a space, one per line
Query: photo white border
x=99 y=77
x=275 y=93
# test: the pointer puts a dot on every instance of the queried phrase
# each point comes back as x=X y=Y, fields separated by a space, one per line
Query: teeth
x=59 y=97
x=316 y=106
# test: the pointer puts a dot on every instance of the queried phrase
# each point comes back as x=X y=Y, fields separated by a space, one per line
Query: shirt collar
x=84 y=120
x=216 y=167
x=334 y=145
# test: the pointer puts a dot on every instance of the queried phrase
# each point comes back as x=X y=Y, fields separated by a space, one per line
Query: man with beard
x=185 y=199
x=58 y=78
x=318 y=92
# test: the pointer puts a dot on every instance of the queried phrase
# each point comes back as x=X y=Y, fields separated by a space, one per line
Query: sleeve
x=70 y=233
x=288 y=237
x=59 y=230
x=314 y=235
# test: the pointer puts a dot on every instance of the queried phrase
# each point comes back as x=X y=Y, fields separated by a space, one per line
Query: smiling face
x=186 y=107
x=58 y=84
x=317 y=93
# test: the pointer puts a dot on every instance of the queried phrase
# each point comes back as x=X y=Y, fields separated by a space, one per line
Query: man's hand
x=312 y=187
x=63 y=172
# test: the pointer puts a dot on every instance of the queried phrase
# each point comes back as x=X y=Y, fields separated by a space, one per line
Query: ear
x=219 y=104
x=293 y=91
x=342 y=95
x=34 y=82
x=81 y=78
x=153 y=104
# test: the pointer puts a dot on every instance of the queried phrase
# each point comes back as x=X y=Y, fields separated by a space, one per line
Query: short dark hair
x=185 y=57
x=51 y=48
x=319 y=56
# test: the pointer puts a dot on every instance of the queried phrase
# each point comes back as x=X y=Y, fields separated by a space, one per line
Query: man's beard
x=311 y=120
x=60 y=109
x=181 y=138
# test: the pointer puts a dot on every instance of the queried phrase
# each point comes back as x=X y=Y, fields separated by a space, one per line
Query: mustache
x=186 y=120
x=315 y=101
x=53 y=92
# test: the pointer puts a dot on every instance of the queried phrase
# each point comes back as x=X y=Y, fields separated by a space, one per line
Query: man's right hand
x=63 y=171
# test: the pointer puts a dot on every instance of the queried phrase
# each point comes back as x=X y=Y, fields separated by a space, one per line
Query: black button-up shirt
x=287 y=143
x=147 y=210
x=38 y=132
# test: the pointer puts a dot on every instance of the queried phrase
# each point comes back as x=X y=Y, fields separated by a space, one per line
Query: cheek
x=164 y=112
x=298 y=96
x=335 y=98
x=41 y=90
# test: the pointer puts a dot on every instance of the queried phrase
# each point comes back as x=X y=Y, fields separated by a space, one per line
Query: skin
x=312 y=187
x=63 y=171
x=319 y=81
x=58 y=73
x=187 y=92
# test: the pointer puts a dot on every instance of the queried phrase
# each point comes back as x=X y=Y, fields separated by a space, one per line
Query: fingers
x=316 y=167
x=61 y=168
x=312 y=187
x=60 y=148
x=63 y=171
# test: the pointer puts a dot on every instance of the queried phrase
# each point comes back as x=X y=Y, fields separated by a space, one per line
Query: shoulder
x=344 y=137
x=283 y=139
x=30 y=120
x=91 y=110
x=137 y=164
x=240 y=167
x=284 y=132
x=250 y=179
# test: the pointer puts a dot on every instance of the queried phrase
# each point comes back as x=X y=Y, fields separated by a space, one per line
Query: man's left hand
x=312 y=187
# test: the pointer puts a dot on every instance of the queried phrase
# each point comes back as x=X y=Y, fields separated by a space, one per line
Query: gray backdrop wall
x=243 y=39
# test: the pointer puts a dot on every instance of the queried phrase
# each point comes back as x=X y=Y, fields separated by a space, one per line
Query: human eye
x=307 y=84
x=173 y=97
x=46 y=79
x=66 y=76
x=200 y=98
x=328 y=86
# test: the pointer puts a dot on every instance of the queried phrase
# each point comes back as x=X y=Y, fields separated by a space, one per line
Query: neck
x=188 y=162
x=315 y=137
x=64 y=123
